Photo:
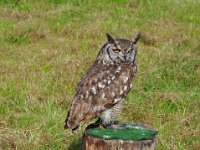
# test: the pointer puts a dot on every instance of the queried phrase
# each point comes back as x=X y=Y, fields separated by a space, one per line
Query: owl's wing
x=100 y=88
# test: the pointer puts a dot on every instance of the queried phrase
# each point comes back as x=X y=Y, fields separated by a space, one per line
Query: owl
x=102 y=90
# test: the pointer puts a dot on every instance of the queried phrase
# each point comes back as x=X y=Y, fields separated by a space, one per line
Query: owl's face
x=119 y=50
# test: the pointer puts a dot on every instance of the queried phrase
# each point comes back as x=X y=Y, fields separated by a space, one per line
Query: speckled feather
x=88 y=106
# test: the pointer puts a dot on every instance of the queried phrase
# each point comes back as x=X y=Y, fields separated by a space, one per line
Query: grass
x=46 y=46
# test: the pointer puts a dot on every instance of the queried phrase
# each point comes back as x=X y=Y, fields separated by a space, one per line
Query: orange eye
x=116 y=50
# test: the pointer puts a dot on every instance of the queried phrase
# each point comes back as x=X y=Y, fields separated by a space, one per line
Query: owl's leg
x=109 y=116
x=106 y=118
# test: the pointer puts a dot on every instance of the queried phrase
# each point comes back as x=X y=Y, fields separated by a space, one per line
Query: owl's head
x=119 y=51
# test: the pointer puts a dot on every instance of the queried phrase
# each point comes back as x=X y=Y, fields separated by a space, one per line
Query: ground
x=46 y=46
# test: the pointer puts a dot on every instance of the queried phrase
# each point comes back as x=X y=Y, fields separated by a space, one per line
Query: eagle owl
x=102 y=90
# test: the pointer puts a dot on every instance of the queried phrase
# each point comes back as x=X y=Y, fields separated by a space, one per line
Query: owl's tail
x=66 y=126
x=72 y=124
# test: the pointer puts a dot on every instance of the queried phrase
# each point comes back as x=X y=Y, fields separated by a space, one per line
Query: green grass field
x=46 y=46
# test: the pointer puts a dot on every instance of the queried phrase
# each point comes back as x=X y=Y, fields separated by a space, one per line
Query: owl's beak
x=124 y=56
x=124 y=52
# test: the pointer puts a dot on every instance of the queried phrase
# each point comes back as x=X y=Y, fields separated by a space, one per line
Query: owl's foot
x=116 y=127
x=101 y=126
x=99 y=123
x=112 y=125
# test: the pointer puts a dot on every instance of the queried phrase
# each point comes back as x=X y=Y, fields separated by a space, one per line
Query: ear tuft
x=136 y=39
x=110 y=38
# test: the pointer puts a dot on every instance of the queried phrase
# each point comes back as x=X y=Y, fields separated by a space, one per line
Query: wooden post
x=129 y=136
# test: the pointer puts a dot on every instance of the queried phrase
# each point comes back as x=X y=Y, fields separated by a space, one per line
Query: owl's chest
x=106 y=82
x=118 y=81
x=125 y=77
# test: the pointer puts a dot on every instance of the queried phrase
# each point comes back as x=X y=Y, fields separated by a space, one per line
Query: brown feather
x=88 y=102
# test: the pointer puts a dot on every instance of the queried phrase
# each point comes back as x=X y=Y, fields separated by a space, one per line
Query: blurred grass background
x=46 y=46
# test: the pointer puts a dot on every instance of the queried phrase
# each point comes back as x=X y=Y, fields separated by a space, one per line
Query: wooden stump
x=129 y=136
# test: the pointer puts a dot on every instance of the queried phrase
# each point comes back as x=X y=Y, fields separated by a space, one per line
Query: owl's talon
x=101 y=126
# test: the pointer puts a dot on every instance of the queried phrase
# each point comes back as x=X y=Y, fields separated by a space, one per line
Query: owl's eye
x=116 y=50
x=130 y=51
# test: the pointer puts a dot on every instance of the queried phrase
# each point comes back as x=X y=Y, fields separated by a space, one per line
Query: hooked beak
x=125 y=56
x=122 y=58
